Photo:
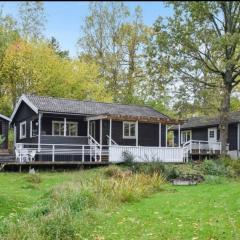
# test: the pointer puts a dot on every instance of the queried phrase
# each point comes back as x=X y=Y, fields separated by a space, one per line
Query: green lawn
x=206 y=211
x=194 y=212
x=17 y=193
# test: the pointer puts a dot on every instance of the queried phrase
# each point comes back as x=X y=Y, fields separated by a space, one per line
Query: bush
x=216 y=168
x=149 y=168
x=128 y=158
x=115 y=171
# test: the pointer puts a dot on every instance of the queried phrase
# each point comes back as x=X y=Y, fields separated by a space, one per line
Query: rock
x=32 y=171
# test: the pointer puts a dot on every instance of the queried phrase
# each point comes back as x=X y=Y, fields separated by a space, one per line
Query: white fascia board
x=23 y=98
x=4 y=117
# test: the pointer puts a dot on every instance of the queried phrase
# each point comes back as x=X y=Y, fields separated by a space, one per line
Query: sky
x=64 y=19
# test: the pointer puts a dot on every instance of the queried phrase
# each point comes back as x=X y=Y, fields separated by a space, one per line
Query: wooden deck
x=47 y=165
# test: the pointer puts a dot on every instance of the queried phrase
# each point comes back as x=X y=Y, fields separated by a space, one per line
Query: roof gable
x=234 y=117
x=23 y=99
x=89 y=108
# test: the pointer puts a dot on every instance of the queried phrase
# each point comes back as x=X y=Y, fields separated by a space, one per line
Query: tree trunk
x=224 y=118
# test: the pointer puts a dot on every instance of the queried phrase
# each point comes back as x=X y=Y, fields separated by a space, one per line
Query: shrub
x=128 y=158
x=216 y=168
x=115 y=171
x=149 y=168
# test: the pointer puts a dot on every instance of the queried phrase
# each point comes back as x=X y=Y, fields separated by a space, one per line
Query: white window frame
x=53 y=122
x=65 y=130
x=75 y=123
x=130 y=123
x=185 y=132
x=31 y=133
x=21 y=136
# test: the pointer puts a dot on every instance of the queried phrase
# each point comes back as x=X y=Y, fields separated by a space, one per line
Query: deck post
x=166 y=136
x=15 y=135
x=179 y=135
x=39 y=130
x=136 y=133
x=65 y=127
x=100 y=132
x=53 y=153
x=88 y=126
x=110 y=132
x=238 y=142
x=82 y=153
x=160 y=134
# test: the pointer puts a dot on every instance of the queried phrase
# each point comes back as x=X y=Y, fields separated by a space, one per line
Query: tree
x=32 y=19
x=132 y=38
x=34 y=68
x=54 y=44
x=99 y=40
x=199 y=45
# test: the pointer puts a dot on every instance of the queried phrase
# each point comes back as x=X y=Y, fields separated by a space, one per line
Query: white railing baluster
x=53 y=153
x=82 y=153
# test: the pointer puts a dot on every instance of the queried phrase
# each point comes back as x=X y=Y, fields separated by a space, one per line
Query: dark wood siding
x=201 y=133
x=232 y=136
x=24 y=113
x=63 y=140
x=4 y=127
x=48 y=118
x=117 y=134
x=148 y=134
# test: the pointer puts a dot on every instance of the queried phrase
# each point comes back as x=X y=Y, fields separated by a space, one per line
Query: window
x=186 y=136
x=72 y=129
x=212 y=134
x=23 y=131
x=129 y=130
x=58 y=128
x=34 y=128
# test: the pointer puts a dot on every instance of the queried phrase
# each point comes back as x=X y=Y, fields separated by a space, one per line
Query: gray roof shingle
x=209 y=121
x=62 y=105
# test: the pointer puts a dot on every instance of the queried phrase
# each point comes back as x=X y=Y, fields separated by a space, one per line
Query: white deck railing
x=26 y=152
x=201 y=147
x=146 y=154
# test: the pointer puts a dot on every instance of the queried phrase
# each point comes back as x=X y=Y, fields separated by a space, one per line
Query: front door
x=212 y=138
x=212 y=135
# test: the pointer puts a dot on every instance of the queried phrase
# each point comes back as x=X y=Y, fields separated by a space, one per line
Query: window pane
x=61 y=128
x=211 y=134
x=132 y=130
x=71 y=129
x=56 y=128
x=23 y=129
x=34 y=128
x=126 y=129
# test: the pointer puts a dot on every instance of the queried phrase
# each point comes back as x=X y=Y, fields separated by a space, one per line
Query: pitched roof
x=202 y=121
x=68 y=106
x=4 y=117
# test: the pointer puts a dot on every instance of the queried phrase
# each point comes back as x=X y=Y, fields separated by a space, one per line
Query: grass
x=113 y=204
x=17 y=193
x=197 y=212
